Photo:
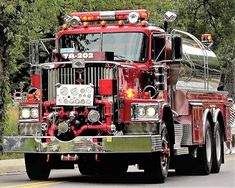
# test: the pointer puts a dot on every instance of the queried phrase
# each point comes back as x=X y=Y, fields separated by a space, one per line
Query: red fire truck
x=118 y=91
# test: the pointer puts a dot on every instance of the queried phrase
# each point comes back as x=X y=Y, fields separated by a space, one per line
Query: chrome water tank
x=198 y=70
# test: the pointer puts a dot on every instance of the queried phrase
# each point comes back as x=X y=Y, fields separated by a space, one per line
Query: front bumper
x=83 y=144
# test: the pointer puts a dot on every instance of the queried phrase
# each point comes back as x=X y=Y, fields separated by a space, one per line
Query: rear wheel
x=217 y=148
x=157 y=167
x=37 y=167
x=205 y=158
x=184 y=164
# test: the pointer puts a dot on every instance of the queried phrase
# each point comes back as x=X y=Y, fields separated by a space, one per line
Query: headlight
x=150 y=111
x=34 y=113
x=25 y=113
x=93 y=116
x=145 y=111
x=140 y=111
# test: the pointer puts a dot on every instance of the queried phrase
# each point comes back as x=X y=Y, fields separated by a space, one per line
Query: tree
x=22 y=21
x=216 y=17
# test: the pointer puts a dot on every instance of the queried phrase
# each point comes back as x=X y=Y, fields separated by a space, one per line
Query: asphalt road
x=134 y=178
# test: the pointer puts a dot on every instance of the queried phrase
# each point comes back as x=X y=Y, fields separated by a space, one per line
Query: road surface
x=134 y=178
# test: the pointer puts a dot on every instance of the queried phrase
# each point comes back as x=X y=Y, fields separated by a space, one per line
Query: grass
x=6 y=156
x=11 y=129
x=11 y=123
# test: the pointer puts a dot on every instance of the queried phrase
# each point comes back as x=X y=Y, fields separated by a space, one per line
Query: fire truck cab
x=118 y=91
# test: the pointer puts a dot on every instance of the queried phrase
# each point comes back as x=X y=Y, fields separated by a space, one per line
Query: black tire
x=112 y=168
x=87 y=169
x=217 y=148
x=204 y=155
x=158 y=165
x=37 y=167
x=184 y=164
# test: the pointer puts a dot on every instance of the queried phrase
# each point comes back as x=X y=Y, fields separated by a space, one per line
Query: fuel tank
x=198 y=70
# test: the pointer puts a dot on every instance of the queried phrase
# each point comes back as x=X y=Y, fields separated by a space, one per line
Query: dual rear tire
x=209 y=156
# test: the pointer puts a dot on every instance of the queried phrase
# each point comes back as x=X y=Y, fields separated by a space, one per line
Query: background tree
x=22 y=21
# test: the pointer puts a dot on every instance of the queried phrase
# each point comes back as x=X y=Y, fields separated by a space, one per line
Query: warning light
x=206 y=38
x=130 y=93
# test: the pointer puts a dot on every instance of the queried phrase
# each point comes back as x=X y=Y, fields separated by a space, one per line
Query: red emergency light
x=110 y=15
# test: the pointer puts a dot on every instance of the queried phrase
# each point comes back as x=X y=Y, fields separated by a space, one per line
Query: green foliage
x=11 y=123
x=6 y=156
x=22 y=22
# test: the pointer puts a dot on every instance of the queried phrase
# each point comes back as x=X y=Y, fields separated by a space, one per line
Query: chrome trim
x=179 y=139
x=196 y=103
x=28 y=120
x=84 y=144
x=187 y=139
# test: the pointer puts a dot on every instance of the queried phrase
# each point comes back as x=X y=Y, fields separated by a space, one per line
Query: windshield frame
x=145 y=40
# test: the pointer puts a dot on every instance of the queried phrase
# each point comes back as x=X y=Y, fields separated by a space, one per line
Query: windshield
x=126 y=46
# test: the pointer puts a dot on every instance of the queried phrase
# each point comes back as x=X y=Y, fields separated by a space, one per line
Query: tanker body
x=199 y=69
x=119 y=91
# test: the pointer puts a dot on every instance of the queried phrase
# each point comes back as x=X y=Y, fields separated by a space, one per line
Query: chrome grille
x=94 y=74
x=62 y=76
x=71 y=75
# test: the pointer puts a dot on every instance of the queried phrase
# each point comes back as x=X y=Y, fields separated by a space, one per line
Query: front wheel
x=158 y=165
x=37 y=167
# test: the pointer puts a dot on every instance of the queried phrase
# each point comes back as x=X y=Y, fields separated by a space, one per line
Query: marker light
x=64 y=27
x=133 y=17
x=120 y=22
x=144 y=23
x=206 y=37
x=30 y=97
x=130 y=93
x=85 y=24
x=37 y=94
x=103 y=23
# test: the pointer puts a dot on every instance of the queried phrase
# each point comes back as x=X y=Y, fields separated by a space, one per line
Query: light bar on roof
x=109 y=15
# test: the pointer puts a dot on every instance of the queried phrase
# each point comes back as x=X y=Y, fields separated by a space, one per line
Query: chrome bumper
x=83 y=144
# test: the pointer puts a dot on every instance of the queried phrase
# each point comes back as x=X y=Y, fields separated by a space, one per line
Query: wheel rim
x=165 y=154
x=208 y=146
x=218 y=145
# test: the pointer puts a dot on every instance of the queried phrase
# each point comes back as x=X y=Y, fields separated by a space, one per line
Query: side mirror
x=176 y=46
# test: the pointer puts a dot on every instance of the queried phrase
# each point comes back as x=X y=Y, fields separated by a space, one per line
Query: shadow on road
x=129 y=178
